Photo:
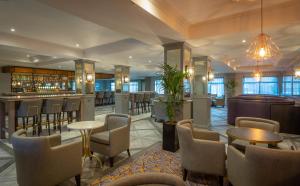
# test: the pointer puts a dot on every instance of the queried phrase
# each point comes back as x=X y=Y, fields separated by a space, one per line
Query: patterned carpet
x=154 y=159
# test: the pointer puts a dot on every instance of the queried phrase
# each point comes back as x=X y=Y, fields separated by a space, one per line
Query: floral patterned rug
x=154 y=159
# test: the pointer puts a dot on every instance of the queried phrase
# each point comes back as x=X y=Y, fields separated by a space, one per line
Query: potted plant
x=172 y=83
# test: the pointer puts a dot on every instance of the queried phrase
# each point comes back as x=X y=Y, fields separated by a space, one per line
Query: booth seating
x=280 y=109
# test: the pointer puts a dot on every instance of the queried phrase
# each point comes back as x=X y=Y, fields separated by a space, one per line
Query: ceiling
x=52 y=33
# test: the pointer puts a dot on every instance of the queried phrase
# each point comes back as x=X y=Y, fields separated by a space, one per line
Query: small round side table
x=86 y=129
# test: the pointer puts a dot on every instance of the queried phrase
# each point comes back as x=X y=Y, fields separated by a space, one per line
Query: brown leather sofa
x=281 y=109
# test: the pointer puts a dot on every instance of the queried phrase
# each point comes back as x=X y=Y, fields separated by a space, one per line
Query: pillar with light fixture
x=201 y=100
x=179 y=55
x=122 y=81
x=85 y=84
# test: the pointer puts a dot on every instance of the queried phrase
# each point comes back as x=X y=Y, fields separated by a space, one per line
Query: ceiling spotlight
x=36 y=60
x=28 y=55
x=77 y=45
x=12 y=29
x=149 y=61
x=54 y=57
x=130 y=57
x=244 y=41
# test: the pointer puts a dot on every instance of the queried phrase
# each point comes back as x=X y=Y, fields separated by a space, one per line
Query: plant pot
x=170 y=137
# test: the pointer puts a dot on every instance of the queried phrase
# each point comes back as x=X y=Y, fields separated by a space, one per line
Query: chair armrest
x=54 y=140
x=99 y=129
x=118 y=135
x=205 y=134
x=235 y=165
x=68 y=149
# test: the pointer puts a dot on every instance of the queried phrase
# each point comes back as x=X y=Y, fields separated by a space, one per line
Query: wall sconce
x=89 y=77
x=210 y=76
x=297 y=73
x=125 y=79
x=189 y=70
x=79 y=79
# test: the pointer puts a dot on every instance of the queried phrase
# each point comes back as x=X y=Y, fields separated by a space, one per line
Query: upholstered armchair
x=161 y=179
x=44 y=160
x=113 y=138
x=201 y=151
x=263 y=166
x=259 y=123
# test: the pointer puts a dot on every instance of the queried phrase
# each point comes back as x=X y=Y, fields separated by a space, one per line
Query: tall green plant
x=172 y=83
x=230 y=86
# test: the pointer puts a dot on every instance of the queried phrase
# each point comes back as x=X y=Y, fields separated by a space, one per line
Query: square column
x=122 y=78
x=201 y=100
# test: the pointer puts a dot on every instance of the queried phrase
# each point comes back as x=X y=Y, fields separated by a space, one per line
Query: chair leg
x=185 y=172
x=220 y=180
x=111 y=161
x=48 y=123
x=77 y=179
x=128 y=152
x=91 y=156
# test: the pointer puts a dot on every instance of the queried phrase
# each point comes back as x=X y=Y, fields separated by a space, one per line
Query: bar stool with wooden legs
x=53 y=107
x=70 y=106
x=139 y=102
x=28 y=109
x=146 y=101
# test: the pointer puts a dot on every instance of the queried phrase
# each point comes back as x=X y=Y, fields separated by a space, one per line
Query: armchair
x=201 y=151
x=263 y=166
x=44 y=160
x=113 y=138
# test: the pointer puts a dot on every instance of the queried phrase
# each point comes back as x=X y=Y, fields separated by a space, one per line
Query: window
x=216 y=86
x=158 y=87
x=266 y=85
x=98 y=85
x=290 y=86
x=112 y=86
x=134 y=86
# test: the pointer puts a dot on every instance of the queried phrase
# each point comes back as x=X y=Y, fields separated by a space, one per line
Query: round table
x=86 y=128
x=253 y=135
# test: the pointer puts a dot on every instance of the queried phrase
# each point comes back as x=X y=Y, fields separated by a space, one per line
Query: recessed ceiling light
x=12 y=29
x=130 y=57
x=36 y=60
x=77 y=45
x=54 y=57
x=149 y=61
x=28 y=55
x=244 y=41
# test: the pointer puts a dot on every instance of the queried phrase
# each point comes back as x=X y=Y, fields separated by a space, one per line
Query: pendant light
x=257 y=73
x=262 y=47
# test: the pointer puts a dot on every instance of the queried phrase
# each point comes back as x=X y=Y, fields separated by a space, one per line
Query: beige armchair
x=161 y=179
x=263 y=166
x=258 y=123
x=113 y=138
x=44 y=160
x=201 y=151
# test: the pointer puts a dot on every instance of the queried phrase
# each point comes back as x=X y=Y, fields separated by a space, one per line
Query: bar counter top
x=42 y=96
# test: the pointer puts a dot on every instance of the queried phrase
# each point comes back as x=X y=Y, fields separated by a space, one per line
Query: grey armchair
x=44 y=160
x=201 y=151
x=263 y=166
x=159 y=179
x=113 y=138
x=259 y=123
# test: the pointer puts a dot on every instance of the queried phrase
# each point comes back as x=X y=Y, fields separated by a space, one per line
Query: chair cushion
x=101 y=137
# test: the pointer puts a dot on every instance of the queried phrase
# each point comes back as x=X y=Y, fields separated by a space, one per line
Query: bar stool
x=107 y=97
x=30 y=108
x=139 y=102
x=53 y=106
x=132 y=98
x=99 y=98
x=112 y=97
x=147 y=99
x=71 y=105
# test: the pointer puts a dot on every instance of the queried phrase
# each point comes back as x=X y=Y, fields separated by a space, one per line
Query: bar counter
x=8 y=107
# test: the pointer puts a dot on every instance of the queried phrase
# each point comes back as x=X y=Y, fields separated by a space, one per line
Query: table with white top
x=86 y=129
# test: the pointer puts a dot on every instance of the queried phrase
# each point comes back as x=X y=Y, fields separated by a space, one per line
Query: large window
x=158 y=87
x=266 y=85
x=216 y=86
x=112 y=86
x=290 y=86
x=134 y=86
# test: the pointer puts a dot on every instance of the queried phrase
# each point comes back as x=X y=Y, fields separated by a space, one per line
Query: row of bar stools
x=139 y=100
x=71 y=105
x=53 y=107
x=147 y=100
x=30 y=108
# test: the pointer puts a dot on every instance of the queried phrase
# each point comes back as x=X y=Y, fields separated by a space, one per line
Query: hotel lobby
x=150 y=92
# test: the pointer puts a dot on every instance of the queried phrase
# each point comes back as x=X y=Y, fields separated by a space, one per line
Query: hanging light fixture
x=257 y=73
x=262 y=48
